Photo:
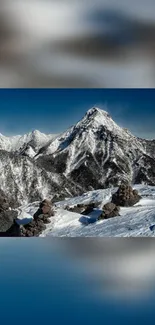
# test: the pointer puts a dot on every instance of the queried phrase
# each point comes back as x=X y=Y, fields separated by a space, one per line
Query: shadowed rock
x=125 y=196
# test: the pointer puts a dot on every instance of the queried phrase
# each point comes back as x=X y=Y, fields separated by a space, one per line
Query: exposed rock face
x=7 y=225
x=126 y=196
x=6 y=202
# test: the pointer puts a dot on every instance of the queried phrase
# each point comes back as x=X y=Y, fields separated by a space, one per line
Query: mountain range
x=95 y=153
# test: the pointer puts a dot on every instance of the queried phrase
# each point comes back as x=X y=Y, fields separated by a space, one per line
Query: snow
x=82 y=138
x=14 y=143
x=30 y=152
x=79 y=145
x=133 y=221
x=23 y=218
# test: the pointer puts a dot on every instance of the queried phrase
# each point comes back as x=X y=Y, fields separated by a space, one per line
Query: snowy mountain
x=132 y=222
x=26 y=182
x=97 y=153
x=27 y=144
x=93 y=154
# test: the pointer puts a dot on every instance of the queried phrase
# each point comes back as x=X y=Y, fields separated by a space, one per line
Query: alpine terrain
x=95 y=169
x=94 y=154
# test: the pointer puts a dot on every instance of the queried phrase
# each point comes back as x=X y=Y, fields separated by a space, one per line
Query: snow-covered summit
x=96 y=117
x=96 y=110
x=94 y=121
x=35 y=139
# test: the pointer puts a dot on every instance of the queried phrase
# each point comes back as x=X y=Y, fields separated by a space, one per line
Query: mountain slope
x=29 y=143
x=97 y=153
x=132 y=222
x=94 y=153
x=20 y=176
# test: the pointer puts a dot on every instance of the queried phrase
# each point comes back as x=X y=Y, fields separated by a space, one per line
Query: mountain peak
x=95 y=111
x=96 y=117
x=36 y=132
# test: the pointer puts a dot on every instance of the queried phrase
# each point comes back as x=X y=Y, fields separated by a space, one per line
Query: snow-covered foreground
x=133 y=222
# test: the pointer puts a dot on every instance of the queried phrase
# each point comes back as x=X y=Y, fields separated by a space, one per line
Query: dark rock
x=6 y=202
x=36 y=226
x=82 y=208
x=78 y=208
x=13 y=231
x=46 y=221
x=152 y=228
x=7 y=220
x=125 y=196
x=29 y=234
x=110 y=210
x=88 y=210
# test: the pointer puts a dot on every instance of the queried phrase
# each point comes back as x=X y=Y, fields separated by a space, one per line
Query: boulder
x=83 y=208
x=110 y=210
x=79 y=208
x=126 y=196
x=7 y=223
x=88 y=209
x=35 y=227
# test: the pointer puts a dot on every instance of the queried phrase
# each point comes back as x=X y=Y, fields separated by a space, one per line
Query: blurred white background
x=64 y=43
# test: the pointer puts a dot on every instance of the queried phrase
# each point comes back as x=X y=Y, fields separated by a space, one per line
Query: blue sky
x=54 y=110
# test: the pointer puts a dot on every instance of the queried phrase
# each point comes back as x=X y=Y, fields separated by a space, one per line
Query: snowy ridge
x=133 y=222
x=16 y=143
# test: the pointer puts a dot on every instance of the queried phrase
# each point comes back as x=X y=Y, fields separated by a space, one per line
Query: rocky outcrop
x=7 y=216
x=79 y=208
x=125 y=196
x=8 y=226
x=110 y=210
x=38 y=224
x=82 y=208
x=34 y=228
x=89 y=209
x=6 y=202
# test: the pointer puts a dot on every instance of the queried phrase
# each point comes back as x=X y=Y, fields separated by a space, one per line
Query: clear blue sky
x=54 y=110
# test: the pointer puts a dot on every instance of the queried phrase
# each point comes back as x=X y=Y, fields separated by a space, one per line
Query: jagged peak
x=36 y=132
x=96 y=117
x=95 y=110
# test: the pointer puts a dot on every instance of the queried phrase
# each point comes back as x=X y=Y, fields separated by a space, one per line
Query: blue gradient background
x=54 y=110
x=40 y=283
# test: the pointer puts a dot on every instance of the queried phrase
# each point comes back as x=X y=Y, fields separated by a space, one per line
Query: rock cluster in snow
x=37 y=225
x=124 y=196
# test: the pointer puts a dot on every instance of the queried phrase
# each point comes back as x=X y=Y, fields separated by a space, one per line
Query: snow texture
x=136 y=221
